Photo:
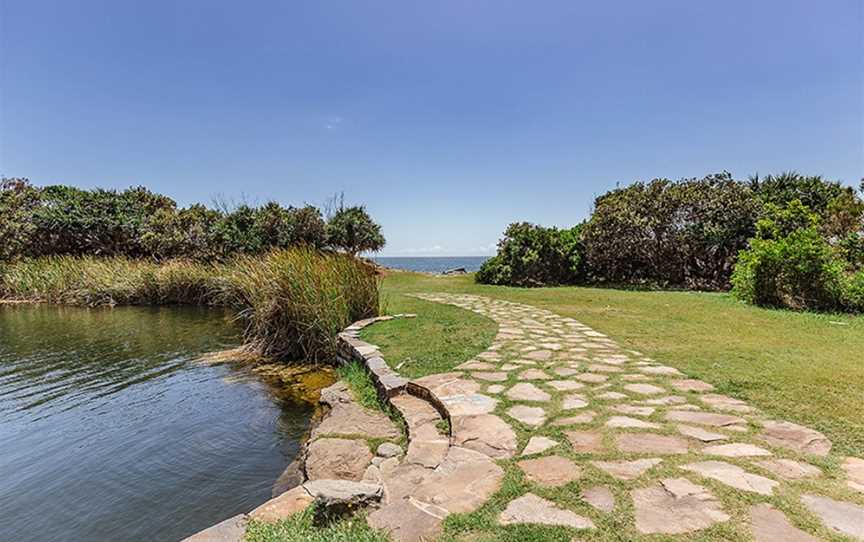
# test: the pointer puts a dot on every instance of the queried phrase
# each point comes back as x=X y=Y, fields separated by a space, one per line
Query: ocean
x=433 y=264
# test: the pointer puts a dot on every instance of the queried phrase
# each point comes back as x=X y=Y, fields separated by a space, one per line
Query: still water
x=110 y=430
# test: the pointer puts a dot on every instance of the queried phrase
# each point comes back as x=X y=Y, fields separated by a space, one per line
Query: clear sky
x=448 y=119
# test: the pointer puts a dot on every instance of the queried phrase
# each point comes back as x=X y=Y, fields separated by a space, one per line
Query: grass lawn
x=802 y=367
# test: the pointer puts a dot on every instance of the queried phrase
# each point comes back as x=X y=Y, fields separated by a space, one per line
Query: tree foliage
x=353 y=230
x=531 y=255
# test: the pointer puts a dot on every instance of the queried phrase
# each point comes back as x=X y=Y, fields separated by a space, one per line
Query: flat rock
x=533 y=416
x=485 y=433
x=564 y=371
x=343 y=493
x=650 y=443
x=584 y=417
x=573 y=401
x=539 y=355
x=591 y=378
x=525 y=391
x=405 y=522
x=468 y=405
x=333 y=458
x=633 y=410
x=691 y=384
x=565 y=385
x=843 y=517
x=611 y=396
x=600 y=497
x=414 y=410
x=660 y=370
x=736 y=449
x=699 y=434
x=675 y=506
x=703 y=418
x=770 y=525
x=476 y=366
x=426 y=446
x=346 y=417
x=627 y=470
x=550 y=471
x=388 y=449
x=627 y=422
x=287 y=504
x=530 y=508
x=644 y=389
x=795 y=437
x=789 y=469
x=538 y=445
x=585 y=441
x=854 y=469
x=601 y=368
x=462 y=482
x=446 y=384
x=723 y=402
x=495 y=388
x=497 y=376
x=533 y=374
x=733 y=475
x=663 y=401
x=232 y=529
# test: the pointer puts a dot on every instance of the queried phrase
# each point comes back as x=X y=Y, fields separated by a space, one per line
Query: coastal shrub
x=532 y=255
x=352 y=229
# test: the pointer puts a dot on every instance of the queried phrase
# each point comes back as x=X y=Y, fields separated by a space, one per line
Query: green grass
x=360 y=384
x=300 y=528
x=803 y=367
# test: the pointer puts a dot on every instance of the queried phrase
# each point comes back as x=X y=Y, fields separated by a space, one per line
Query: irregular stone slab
x=538 y=445
x=287 y=504
x=534 y=374
x=651 y=443
x=232 y=529
x=723 y=402
x=699 y=434
x=485 y=433
x=525 y=391
x=416 y=411
x=405 y=522
x=446 y=384
x=426 y=446
x=591 y=378
x=346 y=417
x=627 y=470
x=736 y=449
x=661 y=370
x=611 y=396
x=585 y=441
x=565 y=385
x=633 y=410
x=634 y=378
x=539 y=355
x=490 y=377
x=573 y=401
x=476 y=366
x=337 y=497
x=508 y=367
x=668 y=400
x=733 y=475
x=533 y=416
x=691 y=384
x=600 y=497
x=854 y=469
x=495 y=388
x=564 y=371
x=703 y=418
x=550 y=471
x=600 y=368
x=530 y=508
x=843 y=517
x=770 y=525
x=334 y=458
x=675 y=506
x=468 y=405
x=461 y=483
x=644 y=389
x=585 y=417
x=627 y=422
x=795 y=437
x=789 y=469
x=388 y=449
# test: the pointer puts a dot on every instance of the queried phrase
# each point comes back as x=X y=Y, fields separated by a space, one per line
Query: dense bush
x=531 y=255
x=63 y=220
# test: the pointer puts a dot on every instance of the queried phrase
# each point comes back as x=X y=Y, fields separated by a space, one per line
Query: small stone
x=485 y=433
x=668 y=400
x=796 y=437
x=703 y=418
x=611 y=396
x=633 y=410
x=232 y=529
x=337 y=459
x=699 y=434
x=627 y=422
x=468 y=405
x=530 y=508
x=843 y=517
x=661 y=370
x=538 y=445
x=734 y=476
x=339 y=496
x=565 y=385
x=789 y=469
x=600 y=497
x=854 y=469
x=675 y=506
x=533 y=374
x=533 y=416
x=564 y=371
x=495 y=388
x=690 y=384
x=644 y=389
x=736 y=449
x=600 y=368
x=573 y=401
x=626 y=470
x=585 y=441
x=585 y=417
x=388 y=449
x=287 y=504
x=525 y=391
x=551 y=471
x=539 y=355
x=650 y=443
x=770 y=525
x=490 y=377
x=591 y=378
x=723 y=402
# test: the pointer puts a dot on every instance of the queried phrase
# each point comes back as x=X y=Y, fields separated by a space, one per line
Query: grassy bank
x=801 y=367
x=293 y=302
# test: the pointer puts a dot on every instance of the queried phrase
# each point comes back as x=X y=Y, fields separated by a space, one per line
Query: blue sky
x=448 y=119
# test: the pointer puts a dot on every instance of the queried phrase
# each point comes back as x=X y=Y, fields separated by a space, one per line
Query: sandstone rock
x=584 y=417
x=533 y=374
x=843 y=517
x=633 y=410
x=675 y=506
x=795 y=437
x=627 y=422
x=338 y=497
x=414 y=410
x=611 y=396
x=854 y=469
x=601 y=368
x=388 y=449
x=461 y=483
x=591 y=378
x=600 y=497
x=626 y=470
x=789 y=469
x=733 y=475
x=668 y=400
x=346 y=417
x=564 y=371
x=661 y=370
x=736 y=449
x=490 y=377
x=700 y=434
x=533 y=416
x=445 y=384
x=405 y=522
x=703 y=418
x=565 y=385
x=573 y=401
x=650 y=443
x=585 y=441
x=426 y=446
x=474 y=365
x=495 y=388
x=530 y=508
x=232 y=529
x=525 y=391
x=468 y=405
x=538 y=445
x=723 y=402
x=286 y=504
x=770 y=525
x=690 y=384
x=644 y=389
x=485 y=433
x=333 y=458
x=539 y=355
x=550 y=471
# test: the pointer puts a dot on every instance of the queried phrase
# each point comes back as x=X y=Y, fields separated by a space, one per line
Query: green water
x=109 y=430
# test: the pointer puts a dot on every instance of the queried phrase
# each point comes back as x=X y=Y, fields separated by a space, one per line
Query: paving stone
x=736 y=449
x=446 y=384
x=525 y=391
x=509 y=367
x=334 y=458
x=530 y=508
x=565 y=385
x=795 y=437
x=661 y=370
x=635 y=378
x=468 y=405
x=539 y=355
x=691 y=384
x=633 y=410
x=675 y=506
x=591 y=378
x=700 y=434
x=485 y=433
x=583 y=417
x=600 y=497
x=703 y=418
x=426 y=446
x=232 y=529
x=843 y=517
x=611 y=396
x=495 y=388
x=490 y=377
x=644 y=389
x=585 y=441
x=723 y=402
x=600 y=368
x=533 y=416
x=287 y=504
x=475 y=365
x=573 y=401
x=627 y=422
x=550 y=471
x=388 y=449
x=770 y=525
x=538 y=445
x=668 y=400
x=789 y=469
x=564 y=371
x=346 y=417
x=650 y=443
x=627 y=470
x=405 y=522
x=534 y=374
x=854 y=469
x=733 y=475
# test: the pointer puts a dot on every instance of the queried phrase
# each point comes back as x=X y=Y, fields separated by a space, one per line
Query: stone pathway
x=596 y=430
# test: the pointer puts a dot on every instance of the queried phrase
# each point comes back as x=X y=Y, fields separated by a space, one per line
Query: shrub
x=853 y=292
x=532 y=255
x=353 y=230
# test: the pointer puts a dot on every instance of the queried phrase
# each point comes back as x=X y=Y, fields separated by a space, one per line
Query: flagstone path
x=597 y=430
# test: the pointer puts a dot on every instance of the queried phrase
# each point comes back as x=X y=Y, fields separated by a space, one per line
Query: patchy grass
x=299 y=528
x=360 y=383
x=803 y=367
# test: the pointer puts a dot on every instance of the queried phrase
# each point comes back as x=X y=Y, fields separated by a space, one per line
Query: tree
x=353 y=230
